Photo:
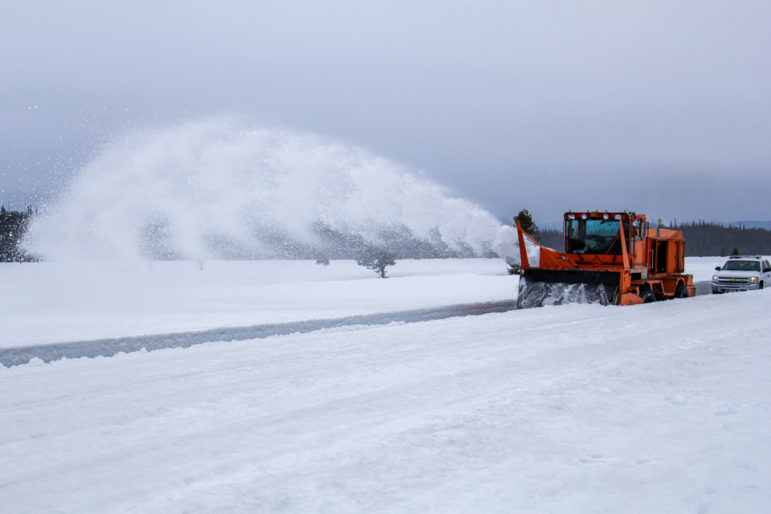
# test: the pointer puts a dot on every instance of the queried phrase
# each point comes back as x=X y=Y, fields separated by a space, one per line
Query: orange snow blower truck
x=610 y=258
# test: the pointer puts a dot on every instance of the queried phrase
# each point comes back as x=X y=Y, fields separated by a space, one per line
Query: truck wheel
x=648 y=296
x=681 y=291
x=760 y=286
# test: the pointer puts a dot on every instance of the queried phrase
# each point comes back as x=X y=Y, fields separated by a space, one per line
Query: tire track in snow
x=108 y=347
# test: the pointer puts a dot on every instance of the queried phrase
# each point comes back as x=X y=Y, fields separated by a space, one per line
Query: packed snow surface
x=660 y=407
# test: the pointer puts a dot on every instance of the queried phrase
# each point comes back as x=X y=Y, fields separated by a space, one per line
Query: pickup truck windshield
x=742 y=266
x=593 y=236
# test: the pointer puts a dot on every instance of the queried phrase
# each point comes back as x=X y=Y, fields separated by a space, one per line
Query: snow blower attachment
x=610 y=258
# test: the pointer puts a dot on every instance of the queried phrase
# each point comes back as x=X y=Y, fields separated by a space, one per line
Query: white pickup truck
x=741 y=273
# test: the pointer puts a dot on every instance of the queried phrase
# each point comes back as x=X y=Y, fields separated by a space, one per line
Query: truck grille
x=731 y=281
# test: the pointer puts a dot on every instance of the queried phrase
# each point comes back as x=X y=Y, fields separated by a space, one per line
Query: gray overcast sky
x=656 y=106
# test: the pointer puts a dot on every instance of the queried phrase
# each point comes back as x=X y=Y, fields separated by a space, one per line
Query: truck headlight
x=753 y=280
x=714 y=278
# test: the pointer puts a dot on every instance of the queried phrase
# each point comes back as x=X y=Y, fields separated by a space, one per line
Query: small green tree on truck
x=528 y=225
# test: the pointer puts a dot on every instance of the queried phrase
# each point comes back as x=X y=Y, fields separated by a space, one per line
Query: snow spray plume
x=216 y=189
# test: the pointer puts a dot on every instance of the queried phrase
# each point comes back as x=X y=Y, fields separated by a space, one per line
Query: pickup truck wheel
x=760 y=286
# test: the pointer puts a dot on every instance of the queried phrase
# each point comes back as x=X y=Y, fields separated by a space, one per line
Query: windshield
x=593 y=235
x=742 y=265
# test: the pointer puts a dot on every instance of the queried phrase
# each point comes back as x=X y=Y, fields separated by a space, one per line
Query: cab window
x=594 y=236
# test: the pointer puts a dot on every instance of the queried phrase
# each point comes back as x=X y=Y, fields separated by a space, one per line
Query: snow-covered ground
x=57 y=302
x=654 y=408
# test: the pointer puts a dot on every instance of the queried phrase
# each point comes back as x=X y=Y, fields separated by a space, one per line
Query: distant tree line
x=704 y=238
x=552 y=239
x=13 y=226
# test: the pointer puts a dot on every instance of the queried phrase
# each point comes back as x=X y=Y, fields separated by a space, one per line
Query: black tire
x=760 y=286
x=681 y=291
x=647 y=296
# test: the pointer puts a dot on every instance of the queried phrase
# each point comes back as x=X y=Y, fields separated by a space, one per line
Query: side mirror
x=717 y=268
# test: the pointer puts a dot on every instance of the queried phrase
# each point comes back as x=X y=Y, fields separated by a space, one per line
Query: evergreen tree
x=528 y=225
x=526 y=222
x=377 y=259
x=13 y=226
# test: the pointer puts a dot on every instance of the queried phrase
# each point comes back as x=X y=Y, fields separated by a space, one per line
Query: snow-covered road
x=51 y=303
x=13 y=356
x=655 y=408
